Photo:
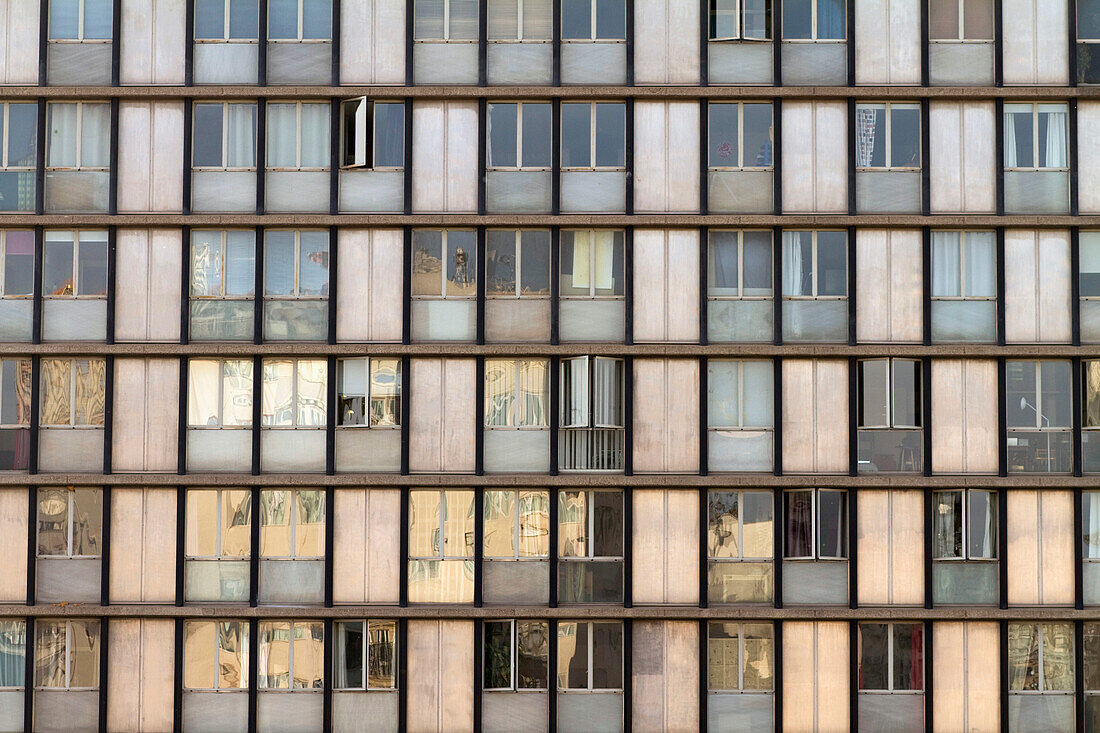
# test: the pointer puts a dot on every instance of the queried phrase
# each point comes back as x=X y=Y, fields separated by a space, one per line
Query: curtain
x=607 y=407
x=281 y=135
x=315 y=136
x=946 y=264
x=799 y=521
x=1010 y=140
x=13 y=650
x=63 y=132
x=723 y=263
x=95 y=136
x=981 y=257
x=241 y=136
x=1056 y=149
x=792 y=264
x=831 y=20
x=982 y=526
x=1092 y=524
x=866 y=117
x=604 y=261
x=535 y=393
x=947 y=523
x=575 y=392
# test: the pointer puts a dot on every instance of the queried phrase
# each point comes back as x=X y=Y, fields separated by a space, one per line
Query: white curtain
x=282 y=129
x=575 y=392
x=1010 y=140
x=202 y=393
x=95 y=136
x=63 y=131
x=1056 y=143
x=315 y=137
x=944 y=530
x=1092 y=525
x=946 y=264
x=606 y=403
x=792 y=264
x=981 y=259
x=241 y=136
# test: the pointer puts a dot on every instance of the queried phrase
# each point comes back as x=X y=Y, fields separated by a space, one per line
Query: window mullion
x=887 y=116
x=740 y=526
x=890 y=657
x=740 y=263
x=69 y=523
x=740 y=134
x=301 y=34
x=740 y=657
x=1039 y=645
x=80 y=21
x=79 y=134
x=72 y=393
x=446 y=260
x=225 y=153
x=591 y=655
x=68 y=654
x=813 y=260
x=1039 y=395
x=592 y=135
x=519 y=135
x=226 y=35
x=519 y=262
x=446 y=20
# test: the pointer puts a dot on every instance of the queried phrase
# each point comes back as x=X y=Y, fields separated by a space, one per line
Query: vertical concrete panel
x=140 y=677
x=13 y=544
x=873 y=536
x=964 y=416
x=830 y=147
x=906 y=547
x=372 y=42
x=369 y=287
x=366 y=563
x=445 y=165
x=147 y=298
x=459 y=410
x=1023 y=556
x=666 y=38
x=798 y=156
x=799 y=677
x=1088 y=156
x=650 y=285
x=423 y=708
x=1035 y=41
x=154 y=36
x=426 y=415
x=666 y=415
x=146 y=409
x=830 y=416
x=19 y=46
x=143 y=545
x=456 y=675
x=1055 y=302
x=1056 y=532
x=888 y=39
x=665 y=546
x=833 y=678
x=150 y=160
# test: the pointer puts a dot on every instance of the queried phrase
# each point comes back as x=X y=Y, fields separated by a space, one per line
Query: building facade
x=549 y=365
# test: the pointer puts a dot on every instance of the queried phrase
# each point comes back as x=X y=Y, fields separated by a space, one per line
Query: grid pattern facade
x=549 y=365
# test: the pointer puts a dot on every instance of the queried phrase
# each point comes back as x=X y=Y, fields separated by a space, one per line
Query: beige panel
x=1036 y=36
x=19 y=42
x=1088 y=156
x=815 y=416
x=154 y=35
x=1056 y=546
x=874 y=538
x=1040 y=547
x=367 y=534
x=1023 y=548
x=888 y=39
x=833 y=677
x=666 y=156
x=964 y=416
x=906 y=547
x=962 y=156
x=815 y=157
x=815 y=677
x=147 y=297
x=143 y=545
x=150 y=156
x=889 y=306
x=442 y=421
x=13 y=543
x=372 y=42
x=666 y=285
x=369 y=285
x=445 y=139
x=140 y=677
x=1037 y=286
x=666 y=546
x=799 y=688
x=146 y=415
x=665 y=666
x=666 y=415
x=440 y=674
x=966 y=696
x=666 y=34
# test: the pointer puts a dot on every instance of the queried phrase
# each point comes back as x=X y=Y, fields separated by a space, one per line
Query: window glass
x=573 y=655
x=66 y=654
x=1052 y=125
x=317 y=19
x=22 y=133
x=610 y=19
x=282 y=19
x=18 y=263
x=1019 y=141
x=498 y=655
x=832 y=524
x=65 y=19
x=576 y=135
x=536 y=135
x=207 y=148
x=874 y=656
x=576 y=19
x=798 y=521
x=610 y=134
x=832 y=263
x=798 y=19
x=389 y=135
x=503 y=123
x=592 y=263
x=874 y=393
x=982 y=527
x=722 y=135
x=905 y=136
x=290 y=654
x=1090 y=264
x=724 y=22
x=1088 y=19
x=13 y=634
x=97 y=19
x=209 y=19
x=908 y=652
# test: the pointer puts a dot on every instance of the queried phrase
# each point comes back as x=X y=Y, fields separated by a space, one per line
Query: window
x=298 y=136
x=520 y=20
x=441 y=546
x=16 y=264
x=964 y=266
x=1040 y=417
x=226 y=20
x=70 y=522
x=1088 y=41
x=517 y=263
x=888 y=136
x=740 y=533
x=1040 y=658
x=18 y=155
x=519 y=136
x=446 y=20
x=72 y=392
x=593 y=20
x=590 y=655
x=1090 y=420
x=296 y=280
x=964 y=525
x=890 y=415
x=74 y=264
x=366 y=655
x=590 y=546
x=816 y=523
x=219 y=524
x=517 y=655
x=814 y=20
x=739 y=285
x=224 y=136
x=592 y=263
x=517 y=393
x=13 y=639
x=219 y=393
x=80 y=20
x=1035 y=137
x=1090 y=265
x=295 y=393
x=292 y=524
x=960 y=20
x=593 y=136
x=444 y=263
x=739 y=395
x=740 y=20
x=299 y=20
x=517 y=525
x=740 y=657
x=891 y=657
x=739 y=135
x=369 y=392
x=215 y=655
x=223 y=284
x=15 y=413
x=815 y=265
x=592 y=413
x=79 y=136
x=374 y=134
x=291 y=655
x=66 y=654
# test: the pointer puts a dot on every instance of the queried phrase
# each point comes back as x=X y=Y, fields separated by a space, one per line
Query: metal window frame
x=740 y=13
x=516 y=556
x=813 y=26
x=590 y=526
x=70 y=496
x=965 y=524
x=1008 y=110
x=964 y=245
x=72 y=424
x=592 y=132
x=518 y=295
x=366 y=657
x=740 y=104
x=225 y=105
x=290 y=688
x=269 y=138
x=441 y=497
x=5 y=127
x=297 y=294
x=592 y=295
x=3 y=396
x=892 y=393
x=741 y=557
x=1038 y=405
x=711 y=426
x=1041 y=628
x=369 y=361
x=888 y=125
x=226 y=37
x=961 y=12
x=301 y=27
x=219 y=518
x=224 y=236
x=814 y=270
x=67 y=623
x=370 y=131
x=295 y=361
x=594 y=36
x=222 y=377
x=77 y=285
x=740 y=295
x=79 y=137
x=244 y=624
x=519 y=105
x=445 y=261
x=891 y=643
x=79 y=27
x=517 y=396
x=590 y=644
x=740 y=657
x=293 y=521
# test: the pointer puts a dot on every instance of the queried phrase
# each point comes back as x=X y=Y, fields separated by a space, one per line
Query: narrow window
x=215 y=655
x=18 y=155
x=289 y=652
x=516 y=655
x=366 y=655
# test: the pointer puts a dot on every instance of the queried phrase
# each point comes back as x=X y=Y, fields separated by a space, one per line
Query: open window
x=592 y=424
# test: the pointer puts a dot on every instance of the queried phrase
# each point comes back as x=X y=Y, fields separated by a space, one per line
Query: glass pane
x=62 y=121
x=947 y=264
x=797 y=19
x=317 y=19
x=948 y=520
x=723 y=269
x=428 y=19
x=232 y=655
x=97 y=19
x=758 y=671
x=389 y=135
x=240 y=263
x=607 y=655
x=907 y=392
x=722 y=656
x=275 y=524
x=1091 y=653
x=349 y=655
x=385 y=392
x=1052 y=131
x=757 y=263
x=757 y=393
x=241 y=138
x=237 y=393
x=576 y=135
x=874 y=393
x=202 y=523
x=832 y=524
x=22 y=134
x=500 y=524
x=282 y=135
x=207 y=139
x=503 y=121
x=831 y=19
x=95 y=129
x=723 y=393
x=313 y=263
x=576 y=19
x=309 y=529
x=56 y=385
x=943 y=19
x=464 y=20
x=1058 y=657
x=316 y=147
x=1023 y=407
x=572 y=524
x=722 y=135
x=798 y=511
x=18 y=263
x=92 y=264
x=53 y=522
x=610 y=134
x=458 y=523
x=607 y=524
x=723 y=530
x=87 y=521
x=352 y=375
x=15 y=394
x=757 y=134
x=500 y=262
x=981 y=256
x=908 y=657
x=382 y=657
x=236 y=527
x=206 y=263
x=200 y=650
x=278 y=394
x=88 y=405
x=723 y=19
x=279 y=262
x=498 y=655
x=610 y=19
x=312 y=376
x=461 y=263
x=572 y=655
x=1023 y=657
x=534 y=524
x=244 y=17
x=536 y=135
x=832 y=263
x=83 y=654
x=282 y=19
x=50 y=654
x=57 y=264
x=64 y=19
x=532 y=655
x=978 y=20
x=982 y=527
x=1056 y=409
x=427 y=264
x=905 y=136
x=871 y=136
x=874 y=660
x=757 y=532
x=1019 y=143
x=535 y=263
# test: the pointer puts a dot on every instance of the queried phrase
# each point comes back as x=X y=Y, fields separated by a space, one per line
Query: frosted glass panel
x=216 y=580
x=219 y=450
x=215 y=712
x=292 y=450
x=68 y=580
x=15 y=320
x=748 y=192
x=887 y=192
x=960 y=64
x=1036 y=192
x=517 y=191
x=815 y=582
x=815 y=64
x=740 y=320
x=521 y=63
x=592 y=320
x=593 y=191
x=351 y=709
x=968 y=583
x=516 y=582
x=593 y=63
x=368 y=450
x=299 y=63
x=517 y=451
x=370 y=191
x=815 y=320
x=740 y=582
x=226 y=63
x=590 y=712
x=958 y=321
x=444 y=320
x=739 y=712
x=891 y=713
x=228 y=191
x=739 y=450
x=445 y=63
x=739 y=63
x=292 y=581
x=78 y=64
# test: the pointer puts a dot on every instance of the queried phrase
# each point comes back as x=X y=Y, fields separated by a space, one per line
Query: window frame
x=369 y=364
x=966 y=556
x=892 y=397
x=891 y=626
x=9 y=632
x=1010 y=110
x=293 y=520
x=67 y=624
x=519 y=24
x=964 y=244
x=221 y=526
x=269 y=138
x=519 y=295
x=80 y=17
x=446 y=25
x=297 y=294
x=243 y=634
x=740 y=294
x=590 y=639
x=225 y=105
x=4 y=265
x=366 y=624
x=813 y=27
x=741 y=658
x=815 y=270
x=444 y=261
x=70 y=498
x=1037 y=406
x=594 y=36
x=517 y=525
x=888 y=108
x=962 y=37
x=519 y=104
x=5 y=126
x=592 y=136
x=740 y=104
x=301 y=26
x=590 y=527
x=75 y=241
x=222 y=377
x=815 y=520
x=72 y=424
x=741 y=557
x=224 y=242
x=741 y=425
x=269 y=422
x=517 y=412
x=1041 y=629
x=4 y=395
x=590 y=232
x=78 y=136
x=740 y=12
x=513 y=653
x=591 y=388
x=367 y=143
x=226 y=26
x=262 y=683
x=442 y=554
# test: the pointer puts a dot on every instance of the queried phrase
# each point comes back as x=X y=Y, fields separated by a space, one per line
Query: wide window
x=739 y=135
x=291 y=655
x=1040 y=658
x=740 y=20
x=815 y=265
x=219 y=393
x=444 y=263
x=72 y=392
x=74 y=264
x=223 y=284
x=299 y=20
x=70 y=522
x=519 y=136
x=366 y=655
x=964 y=525
x=814 y=20
x=593 y=20
x=815 y=524
x=888 y=136
x=224 y=136
x=15 y=413
x=446 y=20
x=517 y=393
x=1035 y=137
x=296 y=282
x=740 y=548
x=441 y=546
x=373 y=134
x=79 y=136
x=590 y=655
x=740 y=657
x=18 y=155
x=80 y=20
x=298 y=136
x=592 y=263
x=215 y=655
x=517 y=263
x=889 y=415
x=516 y=655
x=1039 y=416
x=960 y=20
x=226 y=20
x=520 y=20
x=517 y=525
x=66 y=654
x=369 y=392
x=891 y=658
x=295 y=393
x=590 y=546
x=593 y=136
x=740 y=414
x=292 y=524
